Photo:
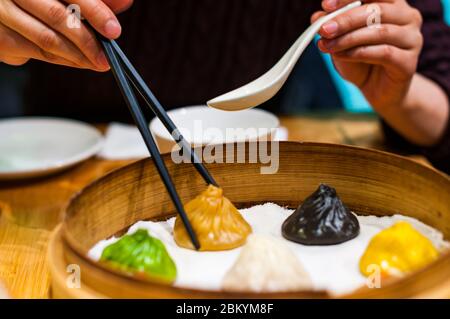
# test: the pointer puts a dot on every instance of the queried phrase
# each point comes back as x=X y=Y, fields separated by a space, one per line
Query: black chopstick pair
x=124 y=73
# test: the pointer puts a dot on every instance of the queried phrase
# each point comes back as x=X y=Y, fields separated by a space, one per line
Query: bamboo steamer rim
x=58 y=270
x=399 y=161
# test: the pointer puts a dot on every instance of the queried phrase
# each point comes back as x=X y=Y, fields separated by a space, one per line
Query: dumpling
x=216 y=222
x=397 y=250
x=266 y=265
x=321 y=220
x=141 y=255
x=3 y=292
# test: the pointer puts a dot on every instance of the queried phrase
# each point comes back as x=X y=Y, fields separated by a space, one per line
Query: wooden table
x=30 y=210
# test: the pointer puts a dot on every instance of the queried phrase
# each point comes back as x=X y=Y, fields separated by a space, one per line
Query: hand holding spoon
x=266 y=86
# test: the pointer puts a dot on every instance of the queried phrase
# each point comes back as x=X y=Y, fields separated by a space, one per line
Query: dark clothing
x=192 y=50
x=188 y=52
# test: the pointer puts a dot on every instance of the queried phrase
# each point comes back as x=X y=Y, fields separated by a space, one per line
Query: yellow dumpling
x=397 y=250
x=217 y=223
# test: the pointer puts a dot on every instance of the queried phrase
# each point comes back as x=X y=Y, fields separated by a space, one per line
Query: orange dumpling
x=217 y=223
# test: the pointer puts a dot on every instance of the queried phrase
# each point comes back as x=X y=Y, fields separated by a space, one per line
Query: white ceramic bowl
x=32 y=147
x=202 y=125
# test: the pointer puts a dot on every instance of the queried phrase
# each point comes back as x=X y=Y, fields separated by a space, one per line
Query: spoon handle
x=267 y=85
x=284 y=67
x=305 y=39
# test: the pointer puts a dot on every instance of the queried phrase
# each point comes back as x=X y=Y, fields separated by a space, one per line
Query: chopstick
x=141 y=123
x=140 y=85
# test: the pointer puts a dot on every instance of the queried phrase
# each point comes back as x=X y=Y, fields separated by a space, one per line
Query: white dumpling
x=3 y=293
x=266 y=264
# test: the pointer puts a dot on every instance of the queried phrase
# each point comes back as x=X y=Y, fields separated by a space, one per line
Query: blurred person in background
x=191 y=51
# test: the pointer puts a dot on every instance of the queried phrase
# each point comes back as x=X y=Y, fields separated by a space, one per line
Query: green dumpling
x=141 y=254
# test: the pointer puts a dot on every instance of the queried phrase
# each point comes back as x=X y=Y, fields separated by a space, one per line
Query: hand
x=38 y=29
x=380 y=59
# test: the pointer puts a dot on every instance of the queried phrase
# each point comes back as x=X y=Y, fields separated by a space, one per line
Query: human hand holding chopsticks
x=38 y=29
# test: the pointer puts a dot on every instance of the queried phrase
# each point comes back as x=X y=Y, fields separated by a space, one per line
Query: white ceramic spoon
x=266 y=86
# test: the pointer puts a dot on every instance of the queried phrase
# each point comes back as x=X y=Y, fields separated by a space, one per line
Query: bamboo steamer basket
x=368 y=181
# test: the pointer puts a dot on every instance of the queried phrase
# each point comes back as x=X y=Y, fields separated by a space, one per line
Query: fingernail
x=330 y=28
x=322 y=47
x=112 y=29
x=329 y=44
x=330 y=4
x=102 y=60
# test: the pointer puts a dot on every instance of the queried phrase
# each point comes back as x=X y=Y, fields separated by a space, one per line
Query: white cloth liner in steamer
x=331 y=268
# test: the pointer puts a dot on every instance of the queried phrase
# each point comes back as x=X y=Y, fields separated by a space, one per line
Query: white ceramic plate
x=201 y=125
x=32 y=147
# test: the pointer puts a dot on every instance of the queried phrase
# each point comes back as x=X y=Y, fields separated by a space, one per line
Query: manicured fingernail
x=330 y=28
x=330 y=4
x=329 y=44
x=322 y=47
x=112 y=29
x=102 y=60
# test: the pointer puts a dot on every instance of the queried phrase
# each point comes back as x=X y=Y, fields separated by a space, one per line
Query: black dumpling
x=322 y=219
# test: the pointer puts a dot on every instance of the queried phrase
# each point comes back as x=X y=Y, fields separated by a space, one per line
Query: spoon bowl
x=266 y=86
